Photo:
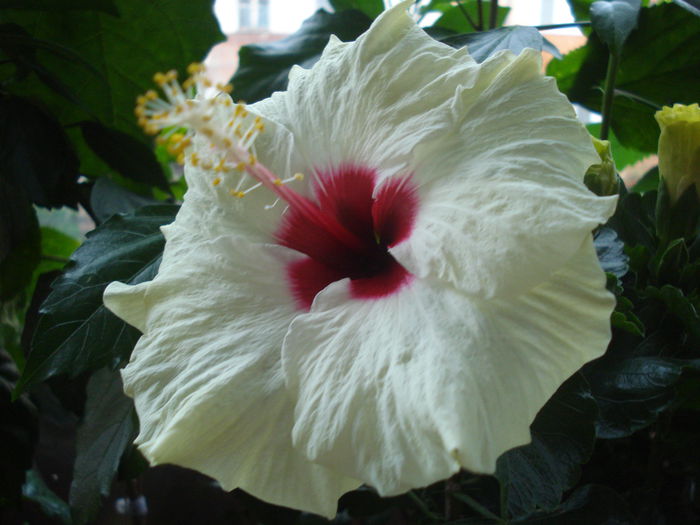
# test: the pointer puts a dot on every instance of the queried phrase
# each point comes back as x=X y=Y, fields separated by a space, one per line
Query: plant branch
x=54 y=258
x=479 y=508
x=609 y=94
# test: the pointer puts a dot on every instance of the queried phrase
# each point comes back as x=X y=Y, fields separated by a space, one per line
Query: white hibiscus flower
x=406 y=308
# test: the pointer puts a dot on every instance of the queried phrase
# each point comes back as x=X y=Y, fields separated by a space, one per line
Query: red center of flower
x=347 y=233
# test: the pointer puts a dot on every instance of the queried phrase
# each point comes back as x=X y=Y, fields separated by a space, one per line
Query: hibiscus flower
x=407 y=306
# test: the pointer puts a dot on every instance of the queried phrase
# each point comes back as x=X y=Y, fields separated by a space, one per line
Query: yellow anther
x=194 y=68
x=234 y=193
x=206 y=118
x=240 y=109
x=181 y=158
x=160 y=78
x=207 y=131
x=260 y=126
x=240 y=166
x=194 y=159
x=160 y=139
x=141 y=100
x=278 y=182
x=188 y=83
x=176 y=137
x=206 y=165
x=227 y=102
x=249 y=135
x=151 y=95
x=206 y=83
x=186 y=142
x=252 y=160
x=171 y=75
x=139 y=111
x=216 y=181
x=228 y=142
x=298 y=176
x=143 y=122
x=220 y=166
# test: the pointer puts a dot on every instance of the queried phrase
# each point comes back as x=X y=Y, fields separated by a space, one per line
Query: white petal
x=503 y=204
x=372 y=101
x=206 y=375
x=401 y=392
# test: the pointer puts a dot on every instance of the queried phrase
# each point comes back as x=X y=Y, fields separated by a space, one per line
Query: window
x=253 y=14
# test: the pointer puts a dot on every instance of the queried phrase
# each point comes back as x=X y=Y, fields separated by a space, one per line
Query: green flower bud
x=679 y=148
x=601 y=178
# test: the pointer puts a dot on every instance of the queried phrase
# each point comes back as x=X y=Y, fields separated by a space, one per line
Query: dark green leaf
x=20 y=240
x=659 y=64
x=614 y=20
x=34 y=489
x=106 y=6
x=454 y=18
x=109 y=426
x=264 y=68
x=691 y=5
x=483 y=44
x=610 y=250
x=124 y=154
x=679 y=305
x=648 y=182
x=588 y=505
x=126 y=50
x=76 y=332
x=36 y=154
x=634 y=219
x=535 y=476
x=108 y=198
x=632 y=391
x=18 y=434
x=371 y=8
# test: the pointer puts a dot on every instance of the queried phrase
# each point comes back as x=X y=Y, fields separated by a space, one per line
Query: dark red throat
x=347 y=232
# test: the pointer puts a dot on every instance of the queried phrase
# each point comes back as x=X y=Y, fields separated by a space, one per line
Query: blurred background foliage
x=617 y=444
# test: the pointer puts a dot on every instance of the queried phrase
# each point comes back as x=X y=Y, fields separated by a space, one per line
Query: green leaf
x=610 y=250
x=535 y=476
x=372 y=8
x=634 y=219
x=648 y=182
x=264 y=68
x=20 y=240
x=108 y=427
x=679 y=305
x=125 y=51
x=56 y=247
x=623 y=156
x=483 y=44
x=659 y=64
x=631 y=391
x=18 y=434
x=588 y=505
x=614 y=20
x=106 y=6
x=75 y=331
x=108 y=198
x=454 y=19
x=36 y=154
x=34 y=489
x=691 y=5
x=126 y=155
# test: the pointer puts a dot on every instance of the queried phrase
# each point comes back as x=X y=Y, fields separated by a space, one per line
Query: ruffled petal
x=402 y=391
x=369 y=102
x=206 y=375
x=502 y=202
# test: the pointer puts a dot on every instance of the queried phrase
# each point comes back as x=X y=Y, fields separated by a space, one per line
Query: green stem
x=479 y=508
x=609 y=94
x=493 y=14
x=480 y=9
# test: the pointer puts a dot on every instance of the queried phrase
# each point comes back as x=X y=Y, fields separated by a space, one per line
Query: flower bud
x=601 y=178
x=679 y=148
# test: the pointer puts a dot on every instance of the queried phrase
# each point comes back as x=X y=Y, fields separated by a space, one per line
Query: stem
x=560 y=26
x=479 y=508
x=493 y=14
x=609 y=94
x=423 y=507
x=466 y=15
x=480 y=5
